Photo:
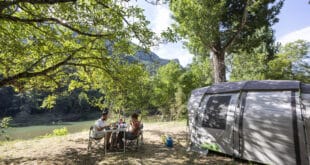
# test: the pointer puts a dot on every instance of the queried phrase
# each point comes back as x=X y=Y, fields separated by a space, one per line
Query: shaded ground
x=72 y=149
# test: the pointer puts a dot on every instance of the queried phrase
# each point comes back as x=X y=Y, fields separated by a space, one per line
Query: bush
x=56 y=132
x=4 y=124
x=60 y=132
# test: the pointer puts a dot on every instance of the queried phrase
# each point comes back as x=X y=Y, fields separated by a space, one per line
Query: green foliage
x=172 y=86
x=252 y=64
x=5 y=122
x=56 y=132
x=165 y=85
x=201 y=72
x=3 y=126
x=230 y=26
x=48 y=45
x=60 y=132
x=290 y=62
x=179 y=108
x=45 y=43
x=211 y=147
x=49 y=102
x=126 y=90
x=248 y=67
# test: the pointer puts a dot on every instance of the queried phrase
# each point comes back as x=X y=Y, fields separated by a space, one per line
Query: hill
x=151 y=60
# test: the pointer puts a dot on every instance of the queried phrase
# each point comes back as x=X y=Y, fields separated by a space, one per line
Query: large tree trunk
x=219 y=67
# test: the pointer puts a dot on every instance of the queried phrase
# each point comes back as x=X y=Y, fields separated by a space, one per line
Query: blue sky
x=294 y=24
x=294 y=17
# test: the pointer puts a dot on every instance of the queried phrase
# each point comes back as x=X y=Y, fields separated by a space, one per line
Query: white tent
x=262 y=121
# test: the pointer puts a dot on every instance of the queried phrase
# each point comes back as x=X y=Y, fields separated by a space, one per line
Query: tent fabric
x=305 y=88
x=264 y=121
x=227 y=87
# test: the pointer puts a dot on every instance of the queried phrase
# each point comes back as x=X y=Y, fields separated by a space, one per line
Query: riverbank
x=72 y=149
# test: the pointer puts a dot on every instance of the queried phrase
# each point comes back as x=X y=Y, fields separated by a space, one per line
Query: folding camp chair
x=136 y=141
x=92 y=139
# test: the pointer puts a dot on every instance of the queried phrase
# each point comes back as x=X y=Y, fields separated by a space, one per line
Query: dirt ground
x=72 y=149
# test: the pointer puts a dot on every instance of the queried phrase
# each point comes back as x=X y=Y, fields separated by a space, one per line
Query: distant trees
x=289 y=62
x=173 y=84
x=165 y=85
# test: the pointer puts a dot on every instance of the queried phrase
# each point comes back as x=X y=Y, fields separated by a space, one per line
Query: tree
x=45 y=42
x=201 y=71
x=289 y=63
x=222 y=27
x=252 y=64
x=128 y=89
x=165 y=86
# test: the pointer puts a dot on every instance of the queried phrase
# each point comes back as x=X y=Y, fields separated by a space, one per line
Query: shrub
x=4 y=124
x=60 y=132
x=56 y=132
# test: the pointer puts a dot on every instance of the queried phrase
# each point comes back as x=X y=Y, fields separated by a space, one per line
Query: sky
x=294 y=24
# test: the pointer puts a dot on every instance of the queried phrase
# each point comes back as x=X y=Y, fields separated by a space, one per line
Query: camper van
x=261 y=121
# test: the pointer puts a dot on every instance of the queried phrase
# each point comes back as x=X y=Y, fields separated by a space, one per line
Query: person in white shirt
x=101 y=125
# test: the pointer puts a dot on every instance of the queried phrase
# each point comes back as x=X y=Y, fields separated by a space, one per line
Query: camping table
x=113 y=131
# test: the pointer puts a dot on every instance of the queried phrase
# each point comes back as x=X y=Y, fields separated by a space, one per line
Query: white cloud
x=303 y=34
x=162 y=18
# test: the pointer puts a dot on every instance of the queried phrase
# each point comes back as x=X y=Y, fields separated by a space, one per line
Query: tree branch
x=93 y=58
x=54 y=20
x=86 y=65
x=242 y=24
x=123 y=18
x=26 y=74
x=6 y=4
x=53 y=79
x=37 y=62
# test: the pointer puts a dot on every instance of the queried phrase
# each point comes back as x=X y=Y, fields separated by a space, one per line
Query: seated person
x=100 y=126
x=119 y=124
x=133 y=132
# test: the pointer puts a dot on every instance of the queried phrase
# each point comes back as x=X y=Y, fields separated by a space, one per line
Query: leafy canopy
x=45 y=44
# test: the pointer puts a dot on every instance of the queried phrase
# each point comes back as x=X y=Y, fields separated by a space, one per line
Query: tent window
x=216 y=112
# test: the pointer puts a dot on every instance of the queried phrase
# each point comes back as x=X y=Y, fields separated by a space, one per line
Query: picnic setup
x=116 y=136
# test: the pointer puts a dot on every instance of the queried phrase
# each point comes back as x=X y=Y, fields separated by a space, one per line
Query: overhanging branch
x=26 y=74
x=54 y=20
x=6 y=4
x=136 y=34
